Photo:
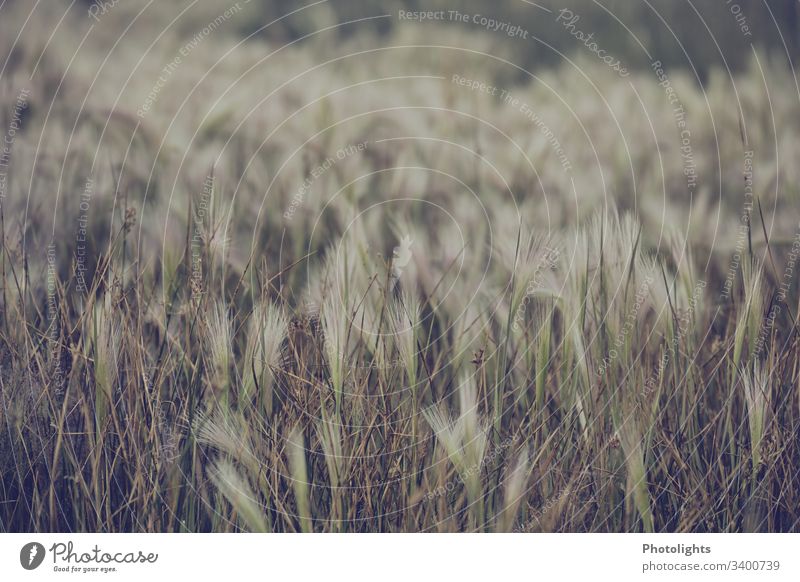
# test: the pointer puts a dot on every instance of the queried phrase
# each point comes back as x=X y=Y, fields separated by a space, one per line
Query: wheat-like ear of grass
x=750 y=316
x=334 y=325
x=757 y=398
x=405 y=316
x=240 y=495
x=295 y=448
x=544 y=317
x=631 y=439
x=227 y=434
x=218 y=346
x=267 y=330
x=338 y=463
x=514 y=491
x=464 y=440
x=107 y=337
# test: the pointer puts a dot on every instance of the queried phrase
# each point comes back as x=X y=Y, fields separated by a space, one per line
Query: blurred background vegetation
x=680 y=33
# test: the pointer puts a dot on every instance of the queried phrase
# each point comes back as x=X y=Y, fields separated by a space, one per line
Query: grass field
x=389 y=281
